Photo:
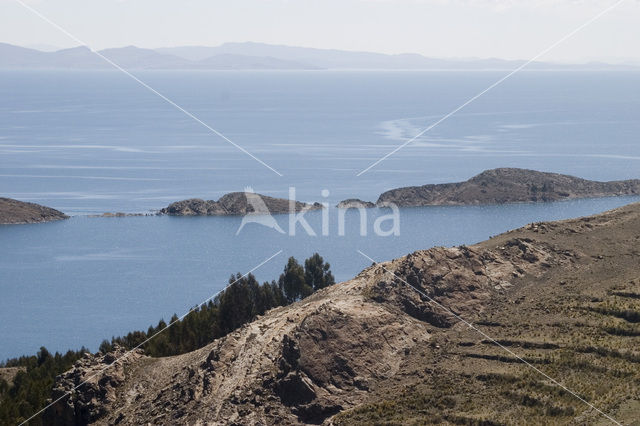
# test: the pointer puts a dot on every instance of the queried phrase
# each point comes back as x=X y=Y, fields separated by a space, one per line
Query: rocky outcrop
x=236 y=203
x=9 y=373
x=17 y=212
x=85 y=393
x=354 y=203
x=507 y=185
x=462 y=278
x=439 y=334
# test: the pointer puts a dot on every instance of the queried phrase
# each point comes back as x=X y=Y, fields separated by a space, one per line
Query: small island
x=502 y=186
x=355 y=203
x=235 y=204
x=14 y=212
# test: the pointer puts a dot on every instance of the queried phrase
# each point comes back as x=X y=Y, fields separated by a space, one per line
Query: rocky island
x=20 y=212
x=235 y=203
x=507 y=185
x=454 y=335
x=355 y=203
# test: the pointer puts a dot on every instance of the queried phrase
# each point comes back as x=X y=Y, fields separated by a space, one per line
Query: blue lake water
x=90 y=142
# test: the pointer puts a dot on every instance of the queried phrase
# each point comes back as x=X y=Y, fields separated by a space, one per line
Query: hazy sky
x=440 y=28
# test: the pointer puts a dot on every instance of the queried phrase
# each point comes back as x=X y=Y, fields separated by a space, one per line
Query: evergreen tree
x=292 y=281
x=235 y=303
x=317 y=273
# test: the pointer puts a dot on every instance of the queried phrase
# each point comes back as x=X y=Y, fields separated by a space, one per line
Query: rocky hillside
x=235 y=203
x=439 y=336
x=501 y=186
x=14 y=212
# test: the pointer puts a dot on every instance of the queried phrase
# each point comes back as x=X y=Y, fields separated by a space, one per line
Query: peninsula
x=19 y=212
x=502 y=186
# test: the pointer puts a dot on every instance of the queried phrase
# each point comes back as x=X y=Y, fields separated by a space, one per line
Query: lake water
x=91 y=142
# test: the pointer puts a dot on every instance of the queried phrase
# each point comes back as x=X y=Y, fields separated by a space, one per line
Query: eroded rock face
x=507 y=185
x=85 y=393
x=330 y=358
x=235 y=203
x=14 y=212
x=462 y=278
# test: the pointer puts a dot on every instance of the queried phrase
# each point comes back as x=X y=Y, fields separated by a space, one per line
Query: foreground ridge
x=564 y=296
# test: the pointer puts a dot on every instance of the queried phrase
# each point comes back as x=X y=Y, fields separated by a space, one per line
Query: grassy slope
x=579 y=324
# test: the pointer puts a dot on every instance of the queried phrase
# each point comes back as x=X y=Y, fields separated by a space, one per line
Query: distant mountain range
x=254 y=56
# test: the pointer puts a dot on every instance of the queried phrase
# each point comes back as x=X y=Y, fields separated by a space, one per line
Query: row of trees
x=30 y=388
x=239 y=303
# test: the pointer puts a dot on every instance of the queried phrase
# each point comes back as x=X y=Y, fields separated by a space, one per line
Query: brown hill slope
x=507 y=185
x=562 y=296
x=14 y=212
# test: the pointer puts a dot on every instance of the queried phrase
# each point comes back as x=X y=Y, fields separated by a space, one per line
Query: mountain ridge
x=255 y=56
x=132 y=57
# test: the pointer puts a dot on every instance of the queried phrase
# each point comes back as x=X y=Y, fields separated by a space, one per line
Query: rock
x=295 y=389
x=9 y=373
x=85 y=393
x=16 y=212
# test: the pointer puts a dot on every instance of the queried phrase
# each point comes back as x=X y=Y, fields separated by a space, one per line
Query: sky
x=509 y=29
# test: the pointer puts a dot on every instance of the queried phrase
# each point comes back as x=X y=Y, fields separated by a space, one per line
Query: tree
x=235 y=303
x=43 y=356
x=272 y=296
x=292 y=281
x=317 y=274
